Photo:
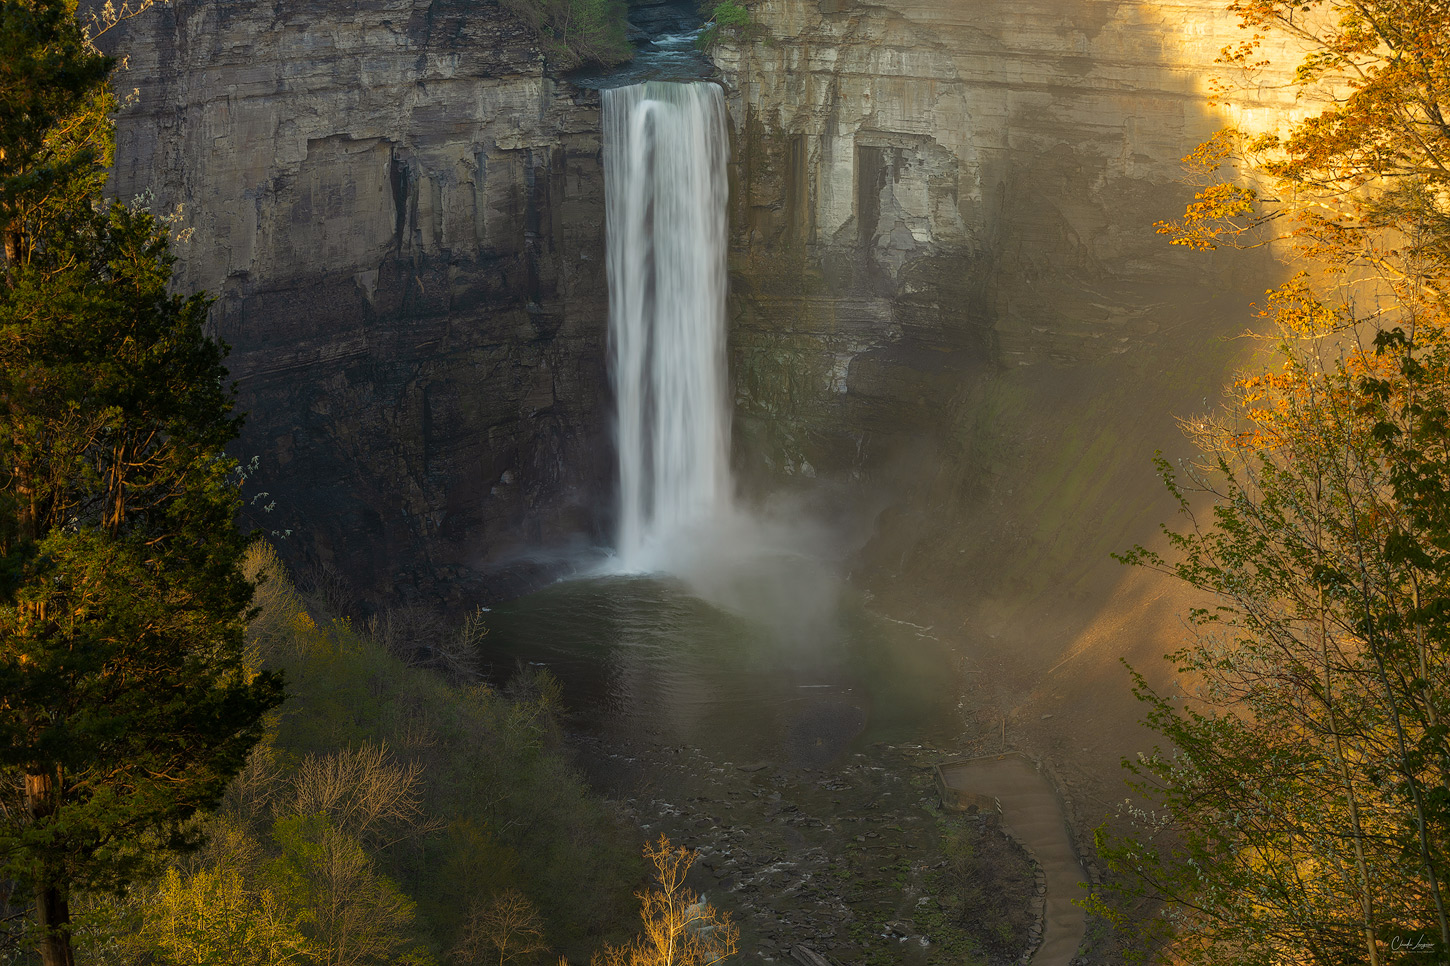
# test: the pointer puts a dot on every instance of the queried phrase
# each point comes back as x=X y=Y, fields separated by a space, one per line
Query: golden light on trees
x=1303 y=809
x=680 y=927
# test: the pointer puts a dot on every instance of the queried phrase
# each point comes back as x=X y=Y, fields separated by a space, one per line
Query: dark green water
x=788 y=670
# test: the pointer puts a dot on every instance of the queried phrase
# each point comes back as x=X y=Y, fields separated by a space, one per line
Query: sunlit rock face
x=402 y=218
x=945 y=270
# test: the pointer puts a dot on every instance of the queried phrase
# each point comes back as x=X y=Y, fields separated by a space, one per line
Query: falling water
x=665 y=149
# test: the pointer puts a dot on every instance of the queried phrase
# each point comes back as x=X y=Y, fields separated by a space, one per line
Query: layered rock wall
x=945 y=276
x=946 y=271
x=401 y=214
x=948 y=289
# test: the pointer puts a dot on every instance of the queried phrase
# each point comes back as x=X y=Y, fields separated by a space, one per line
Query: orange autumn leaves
x=1358 y=189
x=1308 y=747
x=1360 y=183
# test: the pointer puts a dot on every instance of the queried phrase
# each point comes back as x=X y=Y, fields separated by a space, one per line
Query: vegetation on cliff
x=576 y=33
x=727 y=14
x=125 y=704
x=1302 y=813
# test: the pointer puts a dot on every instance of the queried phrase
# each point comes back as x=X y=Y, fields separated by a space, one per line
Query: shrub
x=575 y=33
x=726 y=13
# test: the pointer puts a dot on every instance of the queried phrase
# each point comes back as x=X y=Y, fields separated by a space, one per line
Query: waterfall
x=665 y=147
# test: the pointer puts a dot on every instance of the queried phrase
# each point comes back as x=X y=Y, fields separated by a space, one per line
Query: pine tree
x=125 y=706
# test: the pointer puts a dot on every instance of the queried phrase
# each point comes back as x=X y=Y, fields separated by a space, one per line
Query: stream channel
x=767 y=719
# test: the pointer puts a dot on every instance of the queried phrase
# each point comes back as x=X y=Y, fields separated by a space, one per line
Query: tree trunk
x=12 y=248
x=52 y=910
x=52 y=915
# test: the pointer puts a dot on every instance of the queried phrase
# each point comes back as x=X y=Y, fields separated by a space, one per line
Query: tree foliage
x=53 y=98
x=211 y=916
x=125 y=705
x=727 y=14
x=1362 y=183
x=680 y=927
x=575 y=33
x=1301 y=812
x=389 y=815
x=353 y=913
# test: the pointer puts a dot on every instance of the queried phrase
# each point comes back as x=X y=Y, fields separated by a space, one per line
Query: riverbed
x=785 y=732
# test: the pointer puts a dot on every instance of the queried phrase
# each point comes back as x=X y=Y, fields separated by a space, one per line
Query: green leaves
x=1306 y=785
x=351 y=912
x=726 y=13
x=1311 y=745
x=47 y=71
x=125 y=706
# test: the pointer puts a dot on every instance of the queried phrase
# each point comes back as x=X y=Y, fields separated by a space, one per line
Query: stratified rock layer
x=948 y=289
x=946 y=270
x=402 y=217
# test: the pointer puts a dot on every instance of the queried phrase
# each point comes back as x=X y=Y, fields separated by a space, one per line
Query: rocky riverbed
x=852 y=860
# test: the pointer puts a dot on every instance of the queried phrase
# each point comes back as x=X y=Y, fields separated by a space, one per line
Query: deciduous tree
x=680 y=927
x=352 y=913
x=1362 y=183
x=505 y=928
x=211 y=916
x=1302 y=812
x=1299 y=809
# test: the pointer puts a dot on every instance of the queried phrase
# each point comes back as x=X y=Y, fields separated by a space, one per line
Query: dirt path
x=1033 y=815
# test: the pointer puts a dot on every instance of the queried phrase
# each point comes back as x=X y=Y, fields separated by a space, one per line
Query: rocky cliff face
x=401 y=214
x=948 y=289
x=946 y=273
x=945 y=276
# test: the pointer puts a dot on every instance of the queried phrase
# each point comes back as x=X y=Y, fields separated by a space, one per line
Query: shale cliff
x=946 y=275
x=949 y=295
x=947 y=292
x=401 y=215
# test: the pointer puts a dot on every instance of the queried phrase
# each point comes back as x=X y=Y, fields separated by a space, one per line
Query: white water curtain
x=665 y=148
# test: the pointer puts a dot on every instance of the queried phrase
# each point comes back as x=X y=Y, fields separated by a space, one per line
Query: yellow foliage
x=680 y=928
x=211 y=917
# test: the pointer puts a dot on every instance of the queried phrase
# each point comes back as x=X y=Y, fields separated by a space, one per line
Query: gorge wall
x=945 y=227
x=946 y=270
x=947 y=292
x=401 y=215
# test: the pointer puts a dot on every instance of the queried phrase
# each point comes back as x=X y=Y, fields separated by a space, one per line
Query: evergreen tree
x=124 y=703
